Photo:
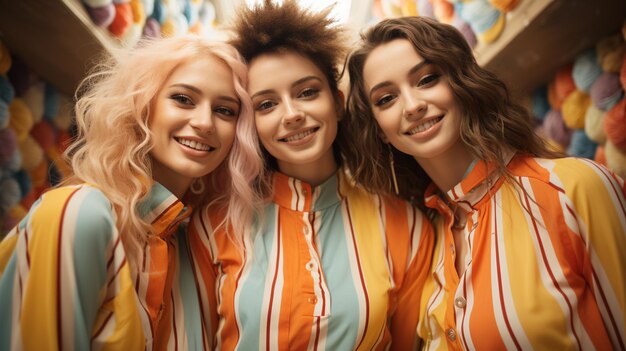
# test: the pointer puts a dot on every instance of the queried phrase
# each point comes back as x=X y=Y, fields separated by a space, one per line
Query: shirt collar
x=300 y=196
x=163 y=210
x=470 y=190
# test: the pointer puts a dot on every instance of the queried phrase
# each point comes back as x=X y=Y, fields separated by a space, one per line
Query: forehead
x=389 y=61
x=205 y=71
x=278 y=69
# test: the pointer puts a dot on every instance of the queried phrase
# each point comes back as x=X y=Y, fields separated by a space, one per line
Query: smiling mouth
x=299 y=136
x=192 y=144
x=424 y=126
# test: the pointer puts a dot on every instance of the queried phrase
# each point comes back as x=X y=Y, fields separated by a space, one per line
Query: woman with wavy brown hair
x=529 y=245
x=103 y=262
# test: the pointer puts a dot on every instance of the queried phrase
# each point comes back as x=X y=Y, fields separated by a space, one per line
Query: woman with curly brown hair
x=331 y=266
x=530 y=246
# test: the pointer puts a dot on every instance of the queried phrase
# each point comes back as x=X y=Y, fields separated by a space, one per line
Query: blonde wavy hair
x=113 y=140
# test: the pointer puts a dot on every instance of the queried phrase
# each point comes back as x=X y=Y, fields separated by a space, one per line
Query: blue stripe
x=158 y=194
x=189 y=293
x=94 y=232
x=253 y=289
x=6 y=302
x=344 y=307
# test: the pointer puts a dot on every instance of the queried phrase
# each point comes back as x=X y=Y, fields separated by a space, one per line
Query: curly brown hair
x=492 y=124
x=271 y=28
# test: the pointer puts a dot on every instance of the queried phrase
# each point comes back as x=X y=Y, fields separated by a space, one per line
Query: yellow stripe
x=39 y=313
x=7 y=247
x=366 y=223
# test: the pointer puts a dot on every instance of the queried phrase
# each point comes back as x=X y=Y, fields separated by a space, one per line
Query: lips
x=299 y=135
x=424 y=125
x=196 y=145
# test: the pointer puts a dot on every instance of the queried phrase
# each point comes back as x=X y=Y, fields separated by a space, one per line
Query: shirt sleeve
x=597 y=197
x=410 y=279
x=60 y=262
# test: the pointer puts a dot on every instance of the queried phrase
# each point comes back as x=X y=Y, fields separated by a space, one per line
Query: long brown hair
x=492 y=124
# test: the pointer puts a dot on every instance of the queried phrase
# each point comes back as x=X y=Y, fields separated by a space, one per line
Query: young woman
x=529 y=249
x=331 y=267
x=103 y=262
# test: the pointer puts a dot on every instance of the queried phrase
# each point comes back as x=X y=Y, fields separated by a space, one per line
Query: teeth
x=299 y=135
x=424 y=126
x=194 y=144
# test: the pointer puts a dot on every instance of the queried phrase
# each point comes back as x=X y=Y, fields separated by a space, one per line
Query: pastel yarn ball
x=148 y=7
x=540 y=104
x=465 y=30
x=574 y=109
x=35 y=99
x=102 y=16
x=23 y=179
x=564 y=82
x=606 y=91
x=556 y=129
x=152 y=29
x=5 y=115
x=63 y=119
x=122 y=21
x=32 y=154
x=581 y=145
x=615 y=125
x=15 y=163
x=8 y=145
x=425 y=8
x=7 y=92
x=610 y=51
x=594 y=124
x=586 y=70
x=39 y=174
x=615 y=159
x=504 y=5
x=21 y=118
x=44 y=134
x=600 y=156
x=10 y=194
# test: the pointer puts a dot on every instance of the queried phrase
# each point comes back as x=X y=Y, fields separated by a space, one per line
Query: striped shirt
x=335 y=268
x=546 y=261
x=65 y=283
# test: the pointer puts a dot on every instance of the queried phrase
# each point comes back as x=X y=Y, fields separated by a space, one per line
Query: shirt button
x=460 y=302
x=451 y=334
x=313 y=300
x=309 y=266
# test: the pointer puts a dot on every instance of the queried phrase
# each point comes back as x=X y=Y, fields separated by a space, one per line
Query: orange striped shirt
x=546 y=261
x=335 y=268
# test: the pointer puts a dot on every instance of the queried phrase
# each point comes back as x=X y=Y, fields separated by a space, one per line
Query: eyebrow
x=387 y=83
x=198 y=91
x=297 y=82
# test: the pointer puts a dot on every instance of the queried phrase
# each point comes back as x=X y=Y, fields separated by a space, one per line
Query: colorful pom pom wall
x=480 y=21
x=582 y=110
x=34 y=131
x=130 y=20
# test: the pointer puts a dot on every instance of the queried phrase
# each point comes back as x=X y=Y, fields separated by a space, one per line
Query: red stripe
x=119 y=238
x=164 y=212
x=295 y=189
x=27 y=253
x=547 y=267
x=500 y=292
x=615 y=191
x=317 y=333
x=358 y=260
x=58 y=275
x=463 y=337
x=106 y=321
x=117 y=272
x=269 y=314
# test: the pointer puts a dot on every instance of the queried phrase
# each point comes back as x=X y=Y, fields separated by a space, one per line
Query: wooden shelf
x=55 y=38
x=540 y=36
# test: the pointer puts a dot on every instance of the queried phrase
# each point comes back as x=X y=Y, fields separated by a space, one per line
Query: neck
x=447 y=170
x=313 y=173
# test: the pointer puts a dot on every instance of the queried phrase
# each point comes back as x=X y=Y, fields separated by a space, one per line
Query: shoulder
x=577 y=178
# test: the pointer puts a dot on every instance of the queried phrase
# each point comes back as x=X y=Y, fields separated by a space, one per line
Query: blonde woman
x=103 y=262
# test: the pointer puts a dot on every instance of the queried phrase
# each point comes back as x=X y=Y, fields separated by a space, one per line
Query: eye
x=182 y=99
x=225 y=111
x=265 y=105
x=308 y=92
x=383 y=100
x=430 y=78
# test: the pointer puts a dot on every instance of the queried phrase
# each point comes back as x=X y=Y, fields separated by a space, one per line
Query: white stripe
x=152 y=215
x=554 y=266
x=107 y=331
x=246 y=267
x=140 y=297
x=416 y=221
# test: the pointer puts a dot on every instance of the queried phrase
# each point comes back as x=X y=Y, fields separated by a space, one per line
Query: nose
x=203 y=121
x=292 y=113
x=413 y=104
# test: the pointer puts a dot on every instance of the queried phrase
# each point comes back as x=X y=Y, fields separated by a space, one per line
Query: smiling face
x=413 y=103
x=295 y=114
x=193 y=122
